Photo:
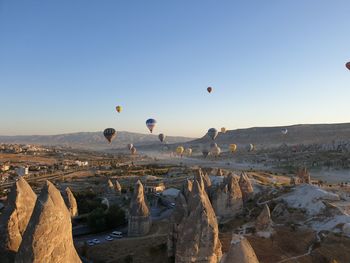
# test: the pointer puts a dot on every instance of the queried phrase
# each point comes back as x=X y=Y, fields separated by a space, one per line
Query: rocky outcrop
x=280 y=211
x=110 y=186
x=220 y=172
x=227 y=198
x=71 y=203
x=14 y=220
x=303 y=176
x=198 y=234
x=139 y=215
x=117 y=187
x=240 y=251
x=263 y=224
x=204 y=177
x=48 y=237
x=246 y=187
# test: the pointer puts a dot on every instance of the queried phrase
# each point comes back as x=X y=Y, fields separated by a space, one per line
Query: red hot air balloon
x=347 y=65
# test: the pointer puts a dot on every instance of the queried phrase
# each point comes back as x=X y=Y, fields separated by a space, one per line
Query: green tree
x=115 y=216
x=97 y=220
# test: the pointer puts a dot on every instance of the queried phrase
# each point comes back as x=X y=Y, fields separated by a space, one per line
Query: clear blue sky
x=65 y=65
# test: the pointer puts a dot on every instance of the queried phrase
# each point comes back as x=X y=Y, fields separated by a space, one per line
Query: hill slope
x=91 y=140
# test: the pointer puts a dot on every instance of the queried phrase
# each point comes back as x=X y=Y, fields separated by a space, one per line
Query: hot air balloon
x=161 y=137
x=130 y=145
x=119 y=108
x=233 y=147
x=250 y=147
x=348 y=65
x=205 y=153
x=133 y=150
x=215 y=151
x=223 y=130
x=109 y=134
x=180 y=150
x=151 y=123
x=284 y=131
x=188 y=151
x=212 y=133
x=209 y=89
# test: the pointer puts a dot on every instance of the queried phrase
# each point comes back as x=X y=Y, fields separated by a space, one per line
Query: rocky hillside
x=92 y=140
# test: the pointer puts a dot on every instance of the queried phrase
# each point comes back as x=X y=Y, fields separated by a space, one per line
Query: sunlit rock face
x=139 y=223
x=227 y=198
x=198 y=234
x=71 y=203
x=48 y=237
x=246 y=187
x=263 y=224
x=240 y=251
x=14 y=220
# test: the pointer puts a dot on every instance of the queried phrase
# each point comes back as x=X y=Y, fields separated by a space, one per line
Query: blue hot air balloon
x=212 y=133
x=151 y=123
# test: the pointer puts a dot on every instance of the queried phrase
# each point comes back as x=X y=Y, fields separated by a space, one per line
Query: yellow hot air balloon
x=119 y=108
x=233 y=147
x=180 y=150
x=223 y=130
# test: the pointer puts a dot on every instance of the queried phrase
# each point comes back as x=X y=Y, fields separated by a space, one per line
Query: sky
x=65 y=65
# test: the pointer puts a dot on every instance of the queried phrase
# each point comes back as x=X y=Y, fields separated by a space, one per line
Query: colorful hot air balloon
x=151 y=123
x=109 y=134
x=215 y=151
x=188 y=151
x=223 y=130
x=180 y=150
x=212 y=133
x=205 y=153
x=133 y=150
x=233 y=147
x=119 y=108
x=250 y=147
x=130 y=145
x=284 y=131
x=161 y=137
x=209 y=89
x=347 y=65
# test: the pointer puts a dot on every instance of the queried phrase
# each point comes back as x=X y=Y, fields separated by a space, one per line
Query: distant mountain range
x=272 y=136
x=260 y=136
x=92 y=140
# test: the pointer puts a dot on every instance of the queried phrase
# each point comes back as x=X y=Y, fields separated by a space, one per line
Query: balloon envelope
x=223 y=130
x=348 y=65
x=215 y=151
x=161 y=137
x=151 y=123
x=209 y=89
x=118 y=108
x=180 y=150
x=213 y=133
x=130 y=145
x=284 y=131
x=109 y=134
x=188 y=151
x=250 y=147
x=233 y=147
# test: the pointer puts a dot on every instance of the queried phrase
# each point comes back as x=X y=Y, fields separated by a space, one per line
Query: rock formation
x=187 y=189
x=198 y=238
x=205 y=177
x=240 y=251
x=227 y=198
x=139 y=214
x=110 y=185
x=14 y=220
x=48 y=237
x=246 y=187
x=263 y=224
x=303 y=176
x=280 y=211
x=71 y=203
x=117 y=187
x=219 y=172
x=293 y=181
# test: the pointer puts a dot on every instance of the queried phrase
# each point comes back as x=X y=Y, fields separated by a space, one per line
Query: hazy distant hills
x=92 y=140
x=272 y=136
x=260 y=136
